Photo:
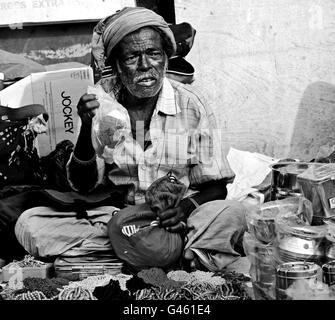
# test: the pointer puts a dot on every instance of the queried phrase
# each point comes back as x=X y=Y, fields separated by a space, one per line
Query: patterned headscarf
x=111 y=30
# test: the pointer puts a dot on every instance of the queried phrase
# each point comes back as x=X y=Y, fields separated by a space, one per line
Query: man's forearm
x=209 y=191
x=83 y=166
x=84 y=149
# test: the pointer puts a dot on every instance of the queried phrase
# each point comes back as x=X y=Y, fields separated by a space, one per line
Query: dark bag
x=19 y=160
x=179 y=68
x=184 y=35
x=138 y=240
x=135 y=234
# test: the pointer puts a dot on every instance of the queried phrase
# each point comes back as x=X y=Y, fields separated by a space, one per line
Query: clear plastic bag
x=109 y=125
x=263 y=265
x=260 y=222
x=297 y=239
x=261 y=219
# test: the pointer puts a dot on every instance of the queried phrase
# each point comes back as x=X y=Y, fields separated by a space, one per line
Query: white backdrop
x=269 y=66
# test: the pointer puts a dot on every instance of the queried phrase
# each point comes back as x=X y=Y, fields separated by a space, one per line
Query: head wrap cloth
x=111 y=30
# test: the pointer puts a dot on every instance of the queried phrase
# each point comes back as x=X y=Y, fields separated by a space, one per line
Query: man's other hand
x=174 y=220
x=86 y=107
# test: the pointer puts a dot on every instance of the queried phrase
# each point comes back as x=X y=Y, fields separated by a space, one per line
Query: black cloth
x=136 y=283
x=54 y=166
x=12 y=207
x=111 y=292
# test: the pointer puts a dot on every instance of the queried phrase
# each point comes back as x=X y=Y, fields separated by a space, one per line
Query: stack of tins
x=288 y=273
x=302 y=243
x=314 y=181
x=261 y=243
x=284 y=182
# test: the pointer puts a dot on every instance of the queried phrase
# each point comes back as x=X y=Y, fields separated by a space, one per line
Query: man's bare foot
x=188 y=254
x=190 y=258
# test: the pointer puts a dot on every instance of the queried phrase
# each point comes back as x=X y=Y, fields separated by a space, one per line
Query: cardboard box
x=59 y=91
x=43 y=272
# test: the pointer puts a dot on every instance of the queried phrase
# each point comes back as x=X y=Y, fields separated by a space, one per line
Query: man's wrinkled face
x=142 y=62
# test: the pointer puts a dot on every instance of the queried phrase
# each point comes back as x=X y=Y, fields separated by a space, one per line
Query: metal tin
x=318 y=186
x=302 y=246
x=288 y=273
x=284 y=181
x=328 y=273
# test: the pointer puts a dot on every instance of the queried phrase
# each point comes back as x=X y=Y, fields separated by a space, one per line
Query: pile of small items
x=23 y=287
x=155 y=284
x=149 y=284
x=198 y=285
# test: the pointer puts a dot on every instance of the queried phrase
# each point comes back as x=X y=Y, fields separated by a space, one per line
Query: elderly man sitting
x=174 y=131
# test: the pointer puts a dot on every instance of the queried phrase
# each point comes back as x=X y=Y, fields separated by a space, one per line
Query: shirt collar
x=166 y=102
